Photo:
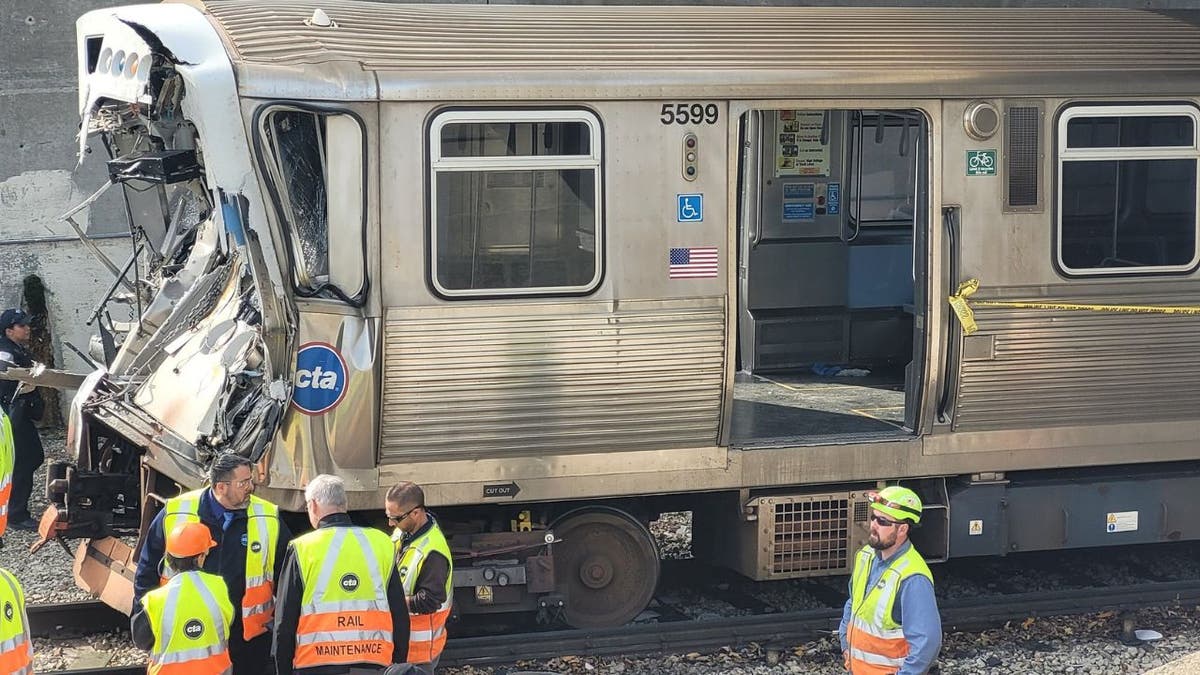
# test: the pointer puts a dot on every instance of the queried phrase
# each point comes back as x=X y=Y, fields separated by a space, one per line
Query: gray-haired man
x=341 y=603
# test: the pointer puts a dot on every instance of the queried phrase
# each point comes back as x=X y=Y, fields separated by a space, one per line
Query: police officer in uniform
x=16 y=647
x=341 y=604
x=251 y=539
x=426 y=568
x=24 y=407
x=890 y=623
x=185 y=625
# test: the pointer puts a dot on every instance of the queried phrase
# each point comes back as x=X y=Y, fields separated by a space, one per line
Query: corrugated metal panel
x=886 y=42
x=489 y=381
x=1059 y=368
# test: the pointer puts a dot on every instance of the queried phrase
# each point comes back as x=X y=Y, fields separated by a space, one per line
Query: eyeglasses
x=884 y=522
x=243 y=483
x=396 y=520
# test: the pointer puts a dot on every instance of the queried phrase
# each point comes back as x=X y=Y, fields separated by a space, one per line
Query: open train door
x=833 y=222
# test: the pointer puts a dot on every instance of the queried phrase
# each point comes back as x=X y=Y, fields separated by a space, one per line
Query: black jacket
x=429 y=591
x=289 y=593
x=27 y=406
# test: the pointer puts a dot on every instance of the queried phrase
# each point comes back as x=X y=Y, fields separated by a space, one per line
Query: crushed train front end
x=194 y=346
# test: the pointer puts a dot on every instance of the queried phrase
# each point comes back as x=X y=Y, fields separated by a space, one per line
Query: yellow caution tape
x=961 y=303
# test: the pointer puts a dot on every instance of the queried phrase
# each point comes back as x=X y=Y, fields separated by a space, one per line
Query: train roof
x=505 y=52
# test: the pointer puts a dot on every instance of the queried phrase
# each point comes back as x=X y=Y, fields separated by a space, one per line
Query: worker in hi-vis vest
x=890 y=623
x=16 y=647
x=251 y=538
x=7 y=459
x=426 y=568
x=341 y=605
x=185 y=624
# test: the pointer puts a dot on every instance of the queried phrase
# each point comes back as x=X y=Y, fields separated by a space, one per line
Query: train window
x=512 y=139
x=515 y=206
x=883 y=161
x=1127 y=189
x=314 y=162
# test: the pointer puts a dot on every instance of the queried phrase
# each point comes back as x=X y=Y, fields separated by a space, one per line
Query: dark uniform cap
x=13 y=317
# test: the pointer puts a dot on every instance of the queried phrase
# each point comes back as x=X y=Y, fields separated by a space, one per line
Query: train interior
x=831 y=209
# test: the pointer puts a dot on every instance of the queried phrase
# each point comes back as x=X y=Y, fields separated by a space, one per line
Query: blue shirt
x=922 y=625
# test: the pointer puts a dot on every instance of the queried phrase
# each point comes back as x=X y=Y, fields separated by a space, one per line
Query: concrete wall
x=40 y=178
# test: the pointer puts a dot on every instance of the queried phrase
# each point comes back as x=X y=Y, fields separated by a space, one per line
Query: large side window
x=1127 y=194
x=516 y=207
x=314 y=163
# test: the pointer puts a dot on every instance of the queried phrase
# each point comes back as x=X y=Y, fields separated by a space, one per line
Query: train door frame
x=922 y=371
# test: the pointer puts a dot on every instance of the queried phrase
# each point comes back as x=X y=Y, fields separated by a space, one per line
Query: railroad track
x=71 y=619
x=779 y=630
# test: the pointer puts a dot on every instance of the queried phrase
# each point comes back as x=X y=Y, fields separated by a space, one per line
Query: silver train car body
x=570 y=267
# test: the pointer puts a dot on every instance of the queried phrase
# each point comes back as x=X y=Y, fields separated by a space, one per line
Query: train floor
x=803 y=408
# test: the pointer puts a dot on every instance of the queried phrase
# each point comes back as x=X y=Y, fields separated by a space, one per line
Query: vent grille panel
x=811 y=536
x=1023 y=157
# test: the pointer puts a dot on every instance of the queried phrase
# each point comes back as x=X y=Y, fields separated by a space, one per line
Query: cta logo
x=350 y=583
x=320 y=381
x=193 y=629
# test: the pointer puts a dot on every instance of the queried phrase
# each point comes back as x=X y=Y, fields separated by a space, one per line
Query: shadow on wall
x=41 y=343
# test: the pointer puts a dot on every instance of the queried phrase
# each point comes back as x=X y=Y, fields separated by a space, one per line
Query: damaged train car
x=569 y=268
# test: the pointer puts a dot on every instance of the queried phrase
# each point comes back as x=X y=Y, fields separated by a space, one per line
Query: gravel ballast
x=1082 y=644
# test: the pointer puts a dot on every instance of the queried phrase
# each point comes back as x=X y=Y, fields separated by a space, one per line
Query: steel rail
x=788 y=628
x=774 y=630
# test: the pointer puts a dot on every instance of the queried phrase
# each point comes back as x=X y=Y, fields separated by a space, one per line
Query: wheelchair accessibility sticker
x=690 y=208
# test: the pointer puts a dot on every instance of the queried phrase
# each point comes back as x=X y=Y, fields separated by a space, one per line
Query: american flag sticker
x=695 y=262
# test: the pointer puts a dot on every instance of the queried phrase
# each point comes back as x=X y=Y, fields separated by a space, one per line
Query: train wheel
x=606 y=565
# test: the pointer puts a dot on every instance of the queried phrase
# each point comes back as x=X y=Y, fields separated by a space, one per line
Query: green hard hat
x=898 y=503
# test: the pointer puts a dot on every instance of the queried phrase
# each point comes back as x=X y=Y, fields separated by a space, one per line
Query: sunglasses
x=884 y=522
x=396 y=520
x=876 y=498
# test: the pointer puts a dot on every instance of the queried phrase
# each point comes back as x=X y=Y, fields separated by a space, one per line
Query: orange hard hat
x=189 y=539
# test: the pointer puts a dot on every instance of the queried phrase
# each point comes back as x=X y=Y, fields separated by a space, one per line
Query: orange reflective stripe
x=339 y=651
x=337 y=621
x=18 y=659
x=863 y=668
x=5 y=494
x=212 y=665
x=427 y=635
x=889 y=648
x=257 y=595
x=255 y=625
x=258 y=609
x=865 y=646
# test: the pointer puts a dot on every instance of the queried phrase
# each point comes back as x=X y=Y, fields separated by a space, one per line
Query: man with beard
x=250 y=541
x=426 y=568
x=890 y=623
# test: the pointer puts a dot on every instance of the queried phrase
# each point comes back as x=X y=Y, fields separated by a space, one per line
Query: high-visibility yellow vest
x=8 y=456
x=427 y=632
x=877 y=644
x=16 y=649
x=344 y=612
x=262 y=531
x=191 y=618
